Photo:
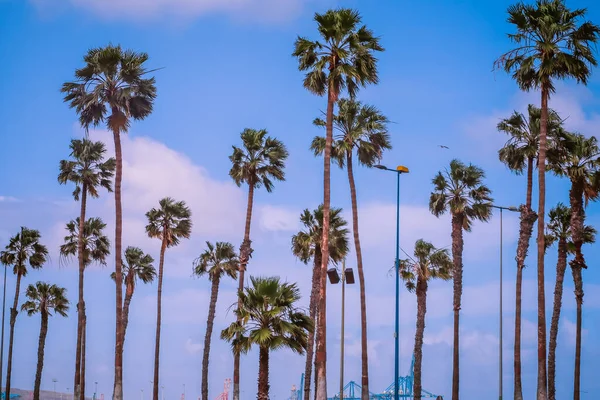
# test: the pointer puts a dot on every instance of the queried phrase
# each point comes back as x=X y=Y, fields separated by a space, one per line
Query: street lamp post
x=95 y=390
x=334 y=278
x=54 y=380
x=2 y=339
x=514 y=209
x=399 y=170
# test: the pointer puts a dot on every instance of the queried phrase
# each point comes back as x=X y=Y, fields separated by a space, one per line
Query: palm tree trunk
x=528 y=218
x=77 y=378
x=245 y=251
x=118 y=386
x=577 y=218
x=314 y=293
x=83 y=337
x=11 y=336
x=263 y=374
x=542 y=392
x=578 y=280
x=457 y=251
x=361 y=280
x=321 y=353
x=420 y=329
x=561 y=267
x=128 y=295
x=40 y=362
x=214 y=293
x=161 y=264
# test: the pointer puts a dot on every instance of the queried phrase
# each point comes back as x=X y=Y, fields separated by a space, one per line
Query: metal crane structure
x=352 y=390
x=225 y=394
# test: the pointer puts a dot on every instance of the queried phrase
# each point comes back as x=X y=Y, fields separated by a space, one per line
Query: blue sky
x=227 y=66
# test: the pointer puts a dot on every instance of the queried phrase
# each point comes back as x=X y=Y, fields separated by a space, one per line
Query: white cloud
x=192 y=347
x=8 y=198
x=278 y=219
x=568 y=331
x=252 y=10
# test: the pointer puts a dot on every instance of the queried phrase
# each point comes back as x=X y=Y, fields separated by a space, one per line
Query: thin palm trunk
x=128 y=295
x=214 y=293
x=314 y=293
x=118 y=385
x=420 y=329
x=528 y=218
x=578 y=280
x=542 y=392
x=83 y=336
x=457 y=251
x=263 y=374
x=78 y=360
x=163 y=248
x=40 y=362
x=11 y=336
x=561 y=267
x=577 y=218
x=361 y=280
x=321 y=353
x=244 y=258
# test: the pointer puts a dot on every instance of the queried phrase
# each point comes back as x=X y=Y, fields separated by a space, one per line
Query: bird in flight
x=443 y=147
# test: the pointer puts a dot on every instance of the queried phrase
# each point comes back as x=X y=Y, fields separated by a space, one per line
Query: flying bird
x=443 y=147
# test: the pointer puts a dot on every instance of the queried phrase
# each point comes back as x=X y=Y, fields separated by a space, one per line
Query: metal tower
x=225 y=394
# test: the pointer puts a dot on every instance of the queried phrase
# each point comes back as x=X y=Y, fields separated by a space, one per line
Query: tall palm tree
x=519 y=154
x=44 y=299
x=268 y=318
x=136 y=266
x=306 y=245
x=552 y=44
x=23 y=250
x=360 y=128
x=170 y=222
x=259 y=162
x=429 y=263
x=579 y=160
x=216 y=261
x=91 y=245
x=89 y=171
x=343 y=59
x=461 y=192
x=112 y=89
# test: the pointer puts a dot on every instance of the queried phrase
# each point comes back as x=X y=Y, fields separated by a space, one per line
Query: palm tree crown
x=307 y=241
x=96 y=246
x=551 y=44
x=137 y=265
x=268 y=317
x=559 y=228
x=259 y=161
x=360 y=127
x=460 y=190
x=218 y=259
x=87 y=168
x=524 y=137
x=45 y=298
x=112 y=80
x=24 y=249
x=429 y=263
x=343 y=59
x=171 y=221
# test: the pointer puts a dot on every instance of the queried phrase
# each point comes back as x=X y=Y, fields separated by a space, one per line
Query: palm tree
x=552 y=45
x=429 y=263
x=95 y=247
x=519 y=154
x=22 y=250
x=216 y=261
x=461 y=192
x=268 y=318
x=136 y=266
x=111 y=89
x=306 y=245
x=343 y=60
x=170 y=223
x=88 y=170
x=259 y=161
x=45 y=299
x=360 y=128
x=579 y=160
